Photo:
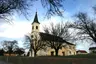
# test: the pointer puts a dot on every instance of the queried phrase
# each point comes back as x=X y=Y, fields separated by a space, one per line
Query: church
x=66 y=49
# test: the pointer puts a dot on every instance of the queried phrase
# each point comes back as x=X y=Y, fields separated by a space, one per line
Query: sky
x=21 y=26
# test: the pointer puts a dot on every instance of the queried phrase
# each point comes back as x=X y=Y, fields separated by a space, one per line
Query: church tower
x=35 y=32
x=35 y=24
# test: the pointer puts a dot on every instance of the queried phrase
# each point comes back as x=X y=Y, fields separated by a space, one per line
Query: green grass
x=77 y=59
x=75 y=56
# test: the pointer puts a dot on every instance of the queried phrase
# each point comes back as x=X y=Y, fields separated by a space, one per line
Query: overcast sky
x=22 y=26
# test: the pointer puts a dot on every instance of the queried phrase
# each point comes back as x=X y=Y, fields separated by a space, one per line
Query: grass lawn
x=78 y=59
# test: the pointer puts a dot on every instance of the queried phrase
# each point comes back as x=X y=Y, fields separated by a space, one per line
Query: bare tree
x=8 y=7
x=60 y=29
x=60 y=33
x=19 y=51
x=53 y=6
x=56 y=44
x=28 y=43
x=9 y=46
x=86 y=26
x=35 y=43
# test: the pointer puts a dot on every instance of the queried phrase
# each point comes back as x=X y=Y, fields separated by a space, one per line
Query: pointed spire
x=36 y=19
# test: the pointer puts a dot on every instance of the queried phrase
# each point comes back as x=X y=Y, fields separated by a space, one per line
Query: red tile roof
x=82 y=51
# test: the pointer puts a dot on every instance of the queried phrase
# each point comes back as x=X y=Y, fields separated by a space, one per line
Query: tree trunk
x=35 y=53
x=56 y=51
x=31 y=53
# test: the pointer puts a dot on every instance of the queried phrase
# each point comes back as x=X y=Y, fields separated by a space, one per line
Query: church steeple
x=35 y=24
x=36 y=19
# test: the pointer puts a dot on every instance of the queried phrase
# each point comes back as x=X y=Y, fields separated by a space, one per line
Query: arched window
x=31 y=36
x=69 y=52
x=63 y=53
x=36 y=27
x=52 y=53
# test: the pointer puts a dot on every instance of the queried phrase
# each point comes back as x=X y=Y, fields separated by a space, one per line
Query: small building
x=6 y=54
x=92 y=49
x=81 y=52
